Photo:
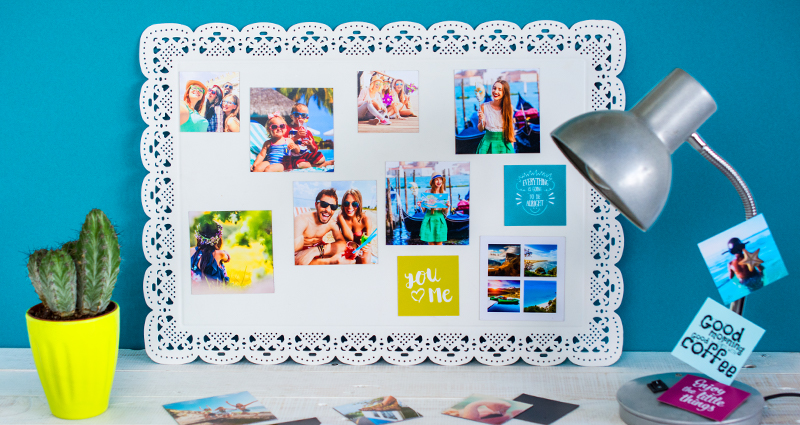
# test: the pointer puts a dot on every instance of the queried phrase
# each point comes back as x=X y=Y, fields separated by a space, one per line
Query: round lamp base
x=640 y=406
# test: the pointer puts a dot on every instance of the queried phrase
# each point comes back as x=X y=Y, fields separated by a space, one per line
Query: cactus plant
x=80 y=276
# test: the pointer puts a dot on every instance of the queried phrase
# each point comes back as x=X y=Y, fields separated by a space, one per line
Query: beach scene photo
x=411 y=219
x=539 y=296
x=335 y=222
x=504 y=296
x=504 y=260
x=229 y=409
x=381 y=410
x=291 y=129
x=743 y=259
x=209 y=102
x=494 y=105
x=231 y=252
x=540 y=260
x=388 y=101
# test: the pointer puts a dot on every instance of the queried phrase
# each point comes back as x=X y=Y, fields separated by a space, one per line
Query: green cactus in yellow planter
x=74 y=332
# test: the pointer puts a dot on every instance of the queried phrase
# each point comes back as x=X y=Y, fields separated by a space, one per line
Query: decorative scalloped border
x=599 y=345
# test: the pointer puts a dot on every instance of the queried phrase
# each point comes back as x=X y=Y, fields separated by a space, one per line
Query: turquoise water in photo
x=535 y=292
x=546 y=265
x=503 y=308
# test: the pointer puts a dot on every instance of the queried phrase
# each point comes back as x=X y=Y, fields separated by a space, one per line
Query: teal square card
x=535 y=195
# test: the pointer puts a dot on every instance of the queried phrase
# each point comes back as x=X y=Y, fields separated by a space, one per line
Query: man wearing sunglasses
x=310 y=228
x=227 y=88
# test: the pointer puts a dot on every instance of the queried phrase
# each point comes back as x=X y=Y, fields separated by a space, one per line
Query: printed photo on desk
x=497 y=111
x=335 y=222
x=229 y=409
x=520 y=278
x=209 y=102
x=388 y=102
x=291 y=129
x=427 y=203
x=231 y=252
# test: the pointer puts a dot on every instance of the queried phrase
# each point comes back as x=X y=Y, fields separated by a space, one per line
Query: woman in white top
x=497 y=119
x=370 y=102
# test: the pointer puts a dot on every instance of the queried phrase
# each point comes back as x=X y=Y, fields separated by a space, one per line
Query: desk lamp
x=625 y=155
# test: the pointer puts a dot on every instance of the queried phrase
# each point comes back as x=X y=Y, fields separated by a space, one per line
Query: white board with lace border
x=318 y=314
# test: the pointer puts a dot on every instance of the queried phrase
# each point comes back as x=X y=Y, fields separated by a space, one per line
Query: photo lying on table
x=291 y=129
x=428 y=203
x=231 y=252
x=381 y=410
x=209 y=102
x=487 y=409
x=497 y=111
x=743 y=259
x=335 y=222
x=534 y=288
x=239 y=408
x=388 y=101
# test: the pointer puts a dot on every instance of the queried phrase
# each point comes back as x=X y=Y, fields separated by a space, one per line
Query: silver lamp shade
x=626 y=155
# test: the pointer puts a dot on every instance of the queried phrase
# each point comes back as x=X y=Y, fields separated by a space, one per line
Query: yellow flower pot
x=76 y=361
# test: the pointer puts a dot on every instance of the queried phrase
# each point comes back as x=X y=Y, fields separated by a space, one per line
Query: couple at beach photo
x=323 y=236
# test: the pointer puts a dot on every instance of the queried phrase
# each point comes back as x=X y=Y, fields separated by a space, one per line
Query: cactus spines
x=57 y=274
x=99 y=262
x=73 y=249
x=33 y=273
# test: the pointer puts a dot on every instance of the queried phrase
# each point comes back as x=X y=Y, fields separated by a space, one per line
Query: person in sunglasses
x=192 y=108
x=370 y=102
x=311 y=228
x=230 y=106
x=355 y=225
x=308 y=154
x=402 y=102
x=227 y=88
x=276 y=148
x=214 y=113
x=434 y=225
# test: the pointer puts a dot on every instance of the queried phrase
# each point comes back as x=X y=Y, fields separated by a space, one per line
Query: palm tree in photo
x=323 y=97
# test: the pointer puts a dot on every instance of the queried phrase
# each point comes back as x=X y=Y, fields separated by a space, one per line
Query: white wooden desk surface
x=293 y=391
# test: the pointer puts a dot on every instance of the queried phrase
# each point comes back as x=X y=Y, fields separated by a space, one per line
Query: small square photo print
x=497 y=111
x=229 y=409
x=291 y=129
x=377 y=411
x=487 y=409
x=335 y=222
x=230 y=252
x=537 y=293
x=209 y=102
x=743 y=259
x=388 y=102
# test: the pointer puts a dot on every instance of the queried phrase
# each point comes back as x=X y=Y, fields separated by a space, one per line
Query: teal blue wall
x=71 y=132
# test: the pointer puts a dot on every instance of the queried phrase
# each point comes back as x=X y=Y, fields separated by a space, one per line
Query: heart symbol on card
x=420 y=291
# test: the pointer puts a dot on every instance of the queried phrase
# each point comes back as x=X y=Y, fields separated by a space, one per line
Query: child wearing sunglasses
x=355 y=225
x=308 y=154
x=276 y=148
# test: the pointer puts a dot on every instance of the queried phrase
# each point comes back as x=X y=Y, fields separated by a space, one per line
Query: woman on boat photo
x=354 y=224
x=401 y=100
x=230 y=107
x=207 y=258
x=192 y=108
x=370 y=102
x=497 y=119
x=434 y=226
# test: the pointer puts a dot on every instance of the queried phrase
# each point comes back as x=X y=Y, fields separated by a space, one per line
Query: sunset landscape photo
x=504 y=260
x=504 y=296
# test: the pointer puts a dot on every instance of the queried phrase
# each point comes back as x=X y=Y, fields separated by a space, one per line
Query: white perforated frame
x=599 y=343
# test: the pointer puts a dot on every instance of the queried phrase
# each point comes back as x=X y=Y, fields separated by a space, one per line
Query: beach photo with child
x=231 y=252
x=427 y=203
x=335 y=222
x=291 y=129
x=209 y=102
x=388 y=101
x=497 y=111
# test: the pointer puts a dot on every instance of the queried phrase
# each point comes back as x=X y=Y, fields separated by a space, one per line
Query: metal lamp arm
x=746 y=196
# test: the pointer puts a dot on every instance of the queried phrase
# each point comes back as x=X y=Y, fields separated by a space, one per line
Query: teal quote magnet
x=535 y=195
x=718 y=342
